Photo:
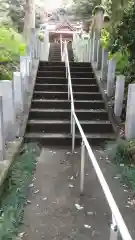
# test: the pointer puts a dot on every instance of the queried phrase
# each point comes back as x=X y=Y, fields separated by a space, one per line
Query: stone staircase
x=49 y=116
x=54 y=54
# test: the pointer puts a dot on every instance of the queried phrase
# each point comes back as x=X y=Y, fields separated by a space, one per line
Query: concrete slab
x=51 y=212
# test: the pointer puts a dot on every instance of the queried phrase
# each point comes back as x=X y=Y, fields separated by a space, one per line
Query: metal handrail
x=61 y=47
x=118 y=225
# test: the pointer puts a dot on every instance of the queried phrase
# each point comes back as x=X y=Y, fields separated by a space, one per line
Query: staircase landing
x=52 y=213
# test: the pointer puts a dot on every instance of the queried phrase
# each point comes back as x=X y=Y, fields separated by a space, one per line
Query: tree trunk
x=29 y=19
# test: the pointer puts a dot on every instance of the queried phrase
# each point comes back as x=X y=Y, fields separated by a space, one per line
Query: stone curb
x=12 y=149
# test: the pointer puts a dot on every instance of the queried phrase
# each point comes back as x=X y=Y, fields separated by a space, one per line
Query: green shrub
x=11 y=47
x=15 y=191
x=104 y=39
x=122 y=153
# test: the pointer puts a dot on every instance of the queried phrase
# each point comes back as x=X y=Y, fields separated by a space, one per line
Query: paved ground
x=51 y=212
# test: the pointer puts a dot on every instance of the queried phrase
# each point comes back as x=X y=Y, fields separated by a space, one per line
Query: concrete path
x=51 y=212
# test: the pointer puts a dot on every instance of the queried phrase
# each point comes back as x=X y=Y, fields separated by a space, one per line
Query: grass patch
x=122 y=154
x=16 y=190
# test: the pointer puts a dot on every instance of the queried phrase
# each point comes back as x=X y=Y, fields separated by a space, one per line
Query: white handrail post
x=73 y=133
x=114 y=234
x=71 y=122
x=68 y=89
x=82 y=168
x=61 y=45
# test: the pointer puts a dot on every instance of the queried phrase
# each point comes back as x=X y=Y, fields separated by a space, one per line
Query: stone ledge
x=11 y=151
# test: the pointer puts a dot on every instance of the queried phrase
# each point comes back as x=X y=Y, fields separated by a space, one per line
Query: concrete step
x=64 y=87
x=49 y=63
x=82 y=74
x=51 y=68
x=63 y=126
x=65 y=104
x=51 y=87
x=66 y=139
x=46 y=114
x=56 y=114
x=51 y=73
x=80 y=69
x=84 y=81
x=48 y=126
x=63 y=80
x=80 y=64
x=64 y=95
x=51 y=80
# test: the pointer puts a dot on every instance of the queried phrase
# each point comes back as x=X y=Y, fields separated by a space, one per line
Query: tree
x=115 y=8
x=84 y=8
x=29 y=18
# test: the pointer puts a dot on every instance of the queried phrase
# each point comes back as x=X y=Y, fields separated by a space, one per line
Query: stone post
x=43 y=52
x=95 y=45
x=18 y=93
x=25 y=72
x=130 y=114
x=89 y=50
x=104 y=65
x=99 y=55
x=111 y=77
x=2 y=140
x=119 y=95
x=8 y=110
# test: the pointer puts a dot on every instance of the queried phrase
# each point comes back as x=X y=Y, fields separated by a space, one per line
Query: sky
x=52 y=4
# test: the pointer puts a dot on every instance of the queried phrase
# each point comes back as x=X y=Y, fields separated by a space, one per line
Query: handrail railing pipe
x=118 y=226
x=82 y=167
x=61 y=47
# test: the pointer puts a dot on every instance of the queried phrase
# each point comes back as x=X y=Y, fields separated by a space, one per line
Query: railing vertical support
x=114 y=234
x=82 y=168
x=71 y=122
x=68 y=84
x=61 y=45
x=73 y=133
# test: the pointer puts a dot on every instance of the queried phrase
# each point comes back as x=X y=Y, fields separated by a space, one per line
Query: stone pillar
x=95 y=45
x=89 y=50
x=8 y=110
x=2 y=140
x=36 y=47
x=18 y=93
x=99 y=55
x=130 y=114
x=111 y=77
x=119 y=95
x=104 y=65
x=43 y=52
x=25 y=72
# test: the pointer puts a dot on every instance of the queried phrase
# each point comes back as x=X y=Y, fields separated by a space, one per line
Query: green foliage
x=41 y=37
x=83 y=8
x=11 y=47
x=115 y=9
x=122 y=41
x=121 y=62
x=15 y=191
x=16 y=13
x=104 y=39
x=10 y=43
x=120 y=153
